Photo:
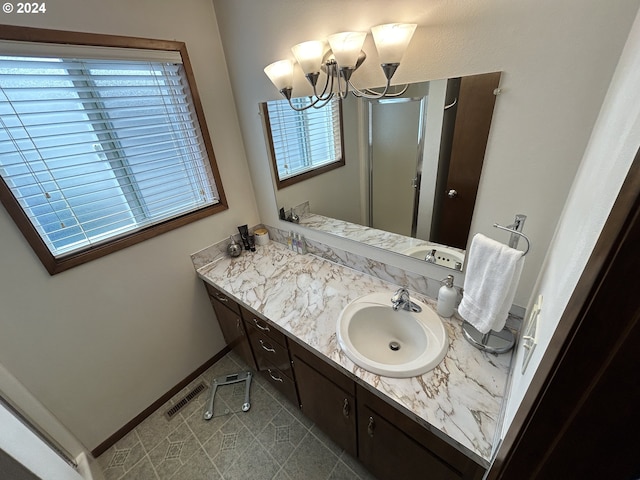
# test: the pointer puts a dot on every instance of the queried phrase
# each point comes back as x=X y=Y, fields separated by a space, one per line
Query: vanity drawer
x=223 y=298
x=268 y=352
x=262 y=325
x=283 y=383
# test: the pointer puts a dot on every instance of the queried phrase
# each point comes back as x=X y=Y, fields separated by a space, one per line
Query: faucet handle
x=400 y=297
x=396 y=296
x=399 y=294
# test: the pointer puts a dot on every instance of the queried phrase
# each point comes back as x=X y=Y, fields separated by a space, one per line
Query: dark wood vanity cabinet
x=327 y=397
x=231 y=324
x=386 y=440
x=390 y=444
x=385 y=433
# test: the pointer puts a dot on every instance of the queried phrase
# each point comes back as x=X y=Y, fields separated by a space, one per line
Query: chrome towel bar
x=516 y=232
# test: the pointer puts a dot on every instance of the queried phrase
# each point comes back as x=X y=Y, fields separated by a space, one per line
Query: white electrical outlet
x=530 y=336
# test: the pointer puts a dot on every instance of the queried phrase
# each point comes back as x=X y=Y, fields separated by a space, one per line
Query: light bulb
x=346 y=47
x=392 y=40
x=281 y=74
x=309 y=55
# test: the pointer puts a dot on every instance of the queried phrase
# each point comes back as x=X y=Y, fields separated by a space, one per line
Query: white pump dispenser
x=447 y=296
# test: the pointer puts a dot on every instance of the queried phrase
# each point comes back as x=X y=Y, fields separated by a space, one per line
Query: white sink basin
x=445 y=257
x=391 y=343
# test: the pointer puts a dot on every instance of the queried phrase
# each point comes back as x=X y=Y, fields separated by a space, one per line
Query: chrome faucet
x=430 y=257
x=401 y=300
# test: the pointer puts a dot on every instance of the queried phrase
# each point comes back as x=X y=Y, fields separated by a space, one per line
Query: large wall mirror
x=410 y=169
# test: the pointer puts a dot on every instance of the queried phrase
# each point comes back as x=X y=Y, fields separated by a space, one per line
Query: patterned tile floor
x=273 y=440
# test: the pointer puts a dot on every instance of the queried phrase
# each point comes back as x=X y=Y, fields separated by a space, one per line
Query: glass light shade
x=392 y=40
x=346 y=47
x=281 y=74
x=309 y=55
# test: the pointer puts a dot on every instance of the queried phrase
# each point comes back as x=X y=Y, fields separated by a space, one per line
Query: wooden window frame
x=59 y=264
x=304 y=175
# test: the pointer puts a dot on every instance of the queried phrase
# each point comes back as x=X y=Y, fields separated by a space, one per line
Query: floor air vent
x=201 y=387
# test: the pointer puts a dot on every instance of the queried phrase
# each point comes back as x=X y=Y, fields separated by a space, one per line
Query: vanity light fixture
x=344 y=56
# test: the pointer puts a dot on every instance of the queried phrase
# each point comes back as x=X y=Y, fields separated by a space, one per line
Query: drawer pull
x=263 y=328
x=266 y=347
x=346 y=409
x=371 y=426
x=222 y=299
x=277 y=379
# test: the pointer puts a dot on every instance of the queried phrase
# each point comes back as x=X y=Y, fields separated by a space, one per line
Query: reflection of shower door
x=395 y=162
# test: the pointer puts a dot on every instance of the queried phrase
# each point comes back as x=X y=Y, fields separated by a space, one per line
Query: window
x=303 y=143
x=101 y=147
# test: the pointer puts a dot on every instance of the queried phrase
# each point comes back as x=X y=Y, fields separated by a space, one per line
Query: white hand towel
x=492 y=274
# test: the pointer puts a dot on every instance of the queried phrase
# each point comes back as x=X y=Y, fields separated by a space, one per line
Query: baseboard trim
x=133 y=423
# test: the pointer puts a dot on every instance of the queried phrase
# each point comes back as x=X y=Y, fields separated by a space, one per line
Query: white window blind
x=93 y=149
x=306 y=140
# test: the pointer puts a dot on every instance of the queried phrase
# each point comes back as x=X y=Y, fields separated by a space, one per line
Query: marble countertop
x=370 y=236
x=460 y=400
x=361 y=233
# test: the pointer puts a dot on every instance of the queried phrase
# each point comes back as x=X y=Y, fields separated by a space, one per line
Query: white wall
x=557 y=59
x=611 y=150
x=99 y=343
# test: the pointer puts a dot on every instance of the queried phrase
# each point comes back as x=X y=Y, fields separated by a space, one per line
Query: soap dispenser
x=447 y=296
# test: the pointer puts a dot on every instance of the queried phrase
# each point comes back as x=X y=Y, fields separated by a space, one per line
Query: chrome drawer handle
x=277 y=379
x=266 y=347
x=264 y=329
x=222 y=299
x=371 y=426
x=346 y=409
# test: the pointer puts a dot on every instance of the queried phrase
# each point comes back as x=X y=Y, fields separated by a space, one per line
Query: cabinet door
x=329 y=406
x=233 y=331
x=393 y=446
x=389 y=454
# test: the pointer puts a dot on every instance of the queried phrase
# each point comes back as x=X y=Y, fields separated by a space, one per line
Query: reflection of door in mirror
x=395 y=156
x=465 y=133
